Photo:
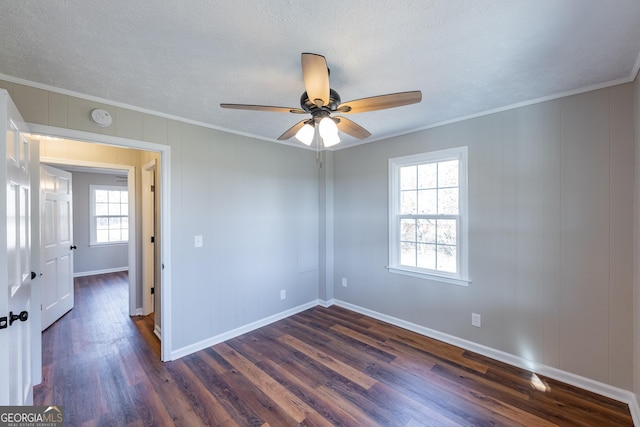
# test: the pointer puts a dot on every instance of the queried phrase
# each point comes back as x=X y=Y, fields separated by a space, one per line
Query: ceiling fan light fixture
x=305 y=134
x=330 y=140
x=328 y=131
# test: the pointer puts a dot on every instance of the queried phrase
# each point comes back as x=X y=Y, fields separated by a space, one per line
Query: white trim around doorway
x=165 y=243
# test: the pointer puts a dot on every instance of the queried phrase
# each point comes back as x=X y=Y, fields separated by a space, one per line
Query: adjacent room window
x=109 y=215
x=428 y=215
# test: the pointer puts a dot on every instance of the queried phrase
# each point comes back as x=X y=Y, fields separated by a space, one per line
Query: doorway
x=161 y=153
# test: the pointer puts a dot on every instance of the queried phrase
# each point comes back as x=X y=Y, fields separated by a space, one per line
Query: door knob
x=33 y=275
x=72 y=247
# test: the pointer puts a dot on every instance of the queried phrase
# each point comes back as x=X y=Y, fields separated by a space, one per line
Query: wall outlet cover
x=476 y=320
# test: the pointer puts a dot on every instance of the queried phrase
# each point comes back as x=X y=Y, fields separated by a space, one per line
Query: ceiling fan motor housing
x=310 y=107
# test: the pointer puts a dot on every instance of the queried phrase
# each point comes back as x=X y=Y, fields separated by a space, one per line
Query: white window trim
x=460 y=154
x=92 y=214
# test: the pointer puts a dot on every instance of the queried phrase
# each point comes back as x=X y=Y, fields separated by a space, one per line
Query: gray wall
x=256 y=205
x=551 y=190
x=87 y=259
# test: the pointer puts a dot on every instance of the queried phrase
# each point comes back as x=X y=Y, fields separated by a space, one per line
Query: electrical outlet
x=344 y=282
x=197 y=241
x=476 y=320
x=283 y=294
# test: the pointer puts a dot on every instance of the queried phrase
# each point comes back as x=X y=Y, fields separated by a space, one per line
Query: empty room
x=320 y=213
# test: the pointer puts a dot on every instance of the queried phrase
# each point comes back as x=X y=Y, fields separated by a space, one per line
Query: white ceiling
x=183 y=58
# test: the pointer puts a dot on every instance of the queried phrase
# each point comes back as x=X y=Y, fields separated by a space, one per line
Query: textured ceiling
x=183 y=58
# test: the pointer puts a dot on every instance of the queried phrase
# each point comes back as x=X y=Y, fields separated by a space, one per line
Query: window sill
x=428 y=276
x=98 y=245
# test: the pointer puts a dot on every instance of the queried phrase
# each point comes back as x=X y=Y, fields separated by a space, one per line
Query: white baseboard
x=326 y=304
x=602 y=389
x=158 y=331
x=635 y=411
x=184 y=351
x=96 y=272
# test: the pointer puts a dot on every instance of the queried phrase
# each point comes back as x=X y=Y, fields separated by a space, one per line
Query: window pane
x=102 y=236
x=427 y=175
x=102 y=196
x=114 y=209
x=408 y=230
x=408 y=254
x=448 y=174
x=408 y=203
x=114 y=235
x=447 y=258
x=102 y=208
x=426 y=231
x=408 y=175
x=448 y=201
x=114 y=196
x=102 y=223
x=114 y=223
x=427 y=202
x=447 y=231
x=427 y=256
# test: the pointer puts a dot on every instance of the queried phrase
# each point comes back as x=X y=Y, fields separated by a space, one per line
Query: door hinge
x=153 y=239
x=153 y=290
x=153 y=188
x=22 y=316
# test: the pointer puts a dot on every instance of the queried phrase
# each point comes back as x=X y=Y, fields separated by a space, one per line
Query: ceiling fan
x=321 y=101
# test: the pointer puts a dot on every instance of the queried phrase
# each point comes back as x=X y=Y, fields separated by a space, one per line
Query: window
x=428 y=216
x=109 y=214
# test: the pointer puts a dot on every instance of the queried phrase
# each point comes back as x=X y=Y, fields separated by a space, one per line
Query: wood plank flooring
x=322 y=367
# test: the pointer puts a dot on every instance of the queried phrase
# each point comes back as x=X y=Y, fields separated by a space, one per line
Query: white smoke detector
x=101 y=117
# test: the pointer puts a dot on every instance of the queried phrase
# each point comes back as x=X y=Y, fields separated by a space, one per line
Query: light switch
x=197 y=241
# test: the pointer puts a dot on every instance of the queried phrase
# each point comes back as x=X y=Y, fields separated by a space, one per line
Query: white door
x=56 y=237
x=16 y=386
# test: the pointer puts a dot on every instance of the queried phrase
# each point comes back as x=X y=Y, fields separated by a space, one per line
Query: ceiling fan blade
x=352 y=128
x=380 y=102
x=316 y=77
x=292 y=130
x=264 y=108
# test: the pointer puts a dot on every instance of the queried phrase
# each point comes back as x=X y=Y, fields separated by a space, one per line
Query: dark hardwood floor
x=325 y=366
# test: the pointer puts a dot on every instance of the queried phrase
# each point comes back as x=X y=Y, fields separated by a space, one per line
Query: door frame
x=165 y=212
x=148 y=218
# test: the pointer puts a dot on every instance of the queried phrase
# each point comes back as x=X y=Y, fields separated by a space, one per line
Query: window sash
x=433 y=242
